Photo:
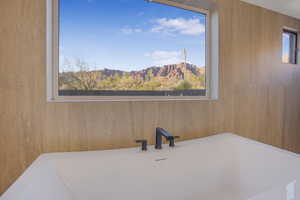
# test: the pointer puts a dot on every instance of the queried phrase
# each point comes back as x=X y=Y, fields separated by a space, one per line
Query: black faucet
x=158 y=140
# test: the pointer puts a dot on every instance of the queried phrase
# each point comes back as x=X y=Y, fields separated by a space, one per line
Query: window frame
x=296 y=51
x=211 y=81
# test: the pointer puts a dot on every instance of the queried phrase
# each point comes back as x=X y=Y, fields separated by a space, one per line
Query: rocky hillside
x=153 y=78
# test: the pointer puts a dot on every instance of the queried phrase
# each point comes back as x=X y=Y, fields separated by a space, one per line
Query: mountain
x=162 y=78
x=174 y=70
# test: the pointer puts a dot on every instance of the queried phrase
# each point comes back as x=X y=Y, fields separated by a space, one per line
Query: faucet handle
x=171 y=141
x=144 y=144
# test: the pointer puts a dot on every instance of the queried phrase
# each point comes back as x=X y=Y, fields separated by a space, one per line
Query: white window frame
x=212 y=59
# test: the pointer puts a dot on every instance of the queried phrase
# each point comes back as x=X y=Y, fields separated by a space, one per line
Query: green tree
x=183 y=85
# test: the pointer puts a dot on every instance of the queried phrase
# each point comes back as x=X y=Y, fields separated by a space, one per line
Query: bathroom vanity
x=220 y=167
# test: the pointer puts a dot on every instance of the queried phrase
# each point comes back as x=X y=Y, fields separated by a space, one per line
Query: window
x=127 y=50
x=289 y=46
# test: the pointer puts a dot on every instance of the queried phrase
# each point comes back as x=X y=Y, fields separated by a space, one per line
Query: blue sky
x=129 y=34
x=285 y=47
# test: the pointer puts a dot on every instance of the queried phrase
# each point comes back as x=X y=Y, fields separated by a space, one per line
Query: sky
x=285 y=47
x=128 y=34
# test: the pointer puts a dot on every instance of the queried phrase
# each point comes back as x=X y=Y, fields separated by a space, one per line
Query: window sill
x=70 y=99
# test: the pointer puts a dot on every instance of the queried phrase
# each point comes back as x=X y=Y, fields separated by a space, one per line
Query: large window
x=289 y=46
x=133 y=48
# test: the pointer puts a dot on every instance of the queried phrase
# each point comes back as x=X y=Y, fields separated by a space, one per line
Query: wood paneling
x=259 y=96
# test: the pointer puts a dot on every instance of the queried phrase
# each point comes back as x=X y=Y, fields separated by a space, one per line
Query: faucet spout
x=163 y=133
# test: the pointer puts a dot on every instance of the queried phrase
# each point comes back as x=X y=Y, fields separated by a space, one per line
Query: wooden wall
x=259 y=96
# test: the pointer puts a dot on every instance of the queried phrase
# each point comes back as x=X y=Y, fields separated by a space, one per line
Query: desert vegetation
x=183 y=76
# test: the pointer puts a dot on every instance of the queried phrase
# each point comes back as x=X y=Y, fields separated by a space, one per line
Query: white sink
x=220 y=167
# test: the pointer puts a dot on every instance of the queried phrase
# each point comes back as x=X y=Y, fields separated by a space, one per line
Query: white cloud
x=165 y=57
x=178 y=25
x=129 y=31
